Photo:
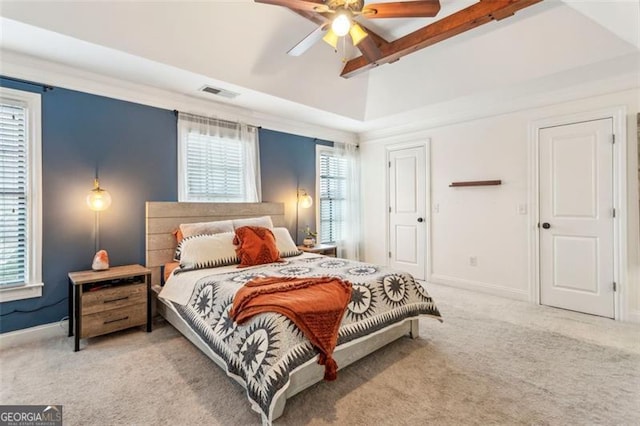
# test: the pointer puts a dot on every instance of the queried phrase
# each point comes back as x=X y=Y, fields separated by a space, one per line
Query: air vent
x=219 y=92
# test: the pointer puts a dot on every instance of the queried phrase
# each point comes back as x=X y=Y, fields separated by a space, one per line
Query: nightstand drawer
x=113 y=320
x=101 y=302
x=113 y=298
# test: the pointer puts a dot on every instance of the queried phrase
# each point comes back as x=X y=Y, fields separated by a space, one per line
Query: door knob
x=420 y=220
x=546 y=225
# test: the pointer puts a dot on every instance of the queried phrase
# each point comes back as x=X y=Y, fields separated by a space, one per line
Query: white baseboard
x=29 y=335
x=496 y=290
x=633 y=316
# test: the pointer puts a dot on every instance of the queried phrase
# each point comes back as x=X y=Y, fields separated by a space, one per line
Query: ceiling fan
x=337 y=18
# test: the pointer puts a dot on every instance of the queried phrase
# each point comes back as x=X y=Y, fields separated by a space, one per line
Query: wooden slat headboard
x=162 y=218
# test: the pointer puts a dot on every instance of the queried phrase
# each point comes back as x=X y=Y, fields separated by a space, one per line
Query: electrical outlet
x=436 y=208
x=473 y=261
x=522 y=209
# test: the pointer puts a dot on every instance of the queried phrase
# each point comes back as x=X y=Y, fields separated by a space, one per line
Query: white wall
x=540 y=41
x=485 y=221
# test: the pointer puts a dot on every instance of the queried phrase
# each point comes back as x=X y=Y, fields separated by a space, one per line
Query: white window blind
x=218 y=160
x=13 y=195
x=215 y=169
x=333 y=192
x=20 y=195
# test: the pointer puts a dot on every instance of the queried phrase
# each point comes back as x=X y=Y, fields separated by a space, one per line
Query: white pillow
x=264 y=221
x=190 y=229
x=207 y=251
x=284 y=243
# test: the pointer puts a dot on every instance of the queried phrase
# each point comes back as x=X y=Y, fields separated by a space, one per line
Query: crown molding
x=415 y=123
x=29 y=68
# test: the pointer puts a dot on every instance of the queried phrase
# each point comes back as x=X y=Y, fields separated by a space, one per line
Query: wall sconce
x=305 y=201
x=98 y=200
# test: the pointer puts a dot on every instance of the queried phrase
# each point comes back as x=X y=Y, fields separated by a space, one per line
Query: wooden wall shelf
x=476 y=183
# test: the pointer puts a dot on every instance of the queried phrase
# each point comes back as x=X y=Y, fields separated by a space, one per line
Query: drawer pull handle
x=116 y=320
x=116 y=300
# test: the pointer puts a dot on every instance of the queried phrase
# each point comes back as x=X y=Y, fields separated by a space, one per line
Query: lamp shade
x=331 y=38
x=305 y=201
x=357 y=34
x=98 y=198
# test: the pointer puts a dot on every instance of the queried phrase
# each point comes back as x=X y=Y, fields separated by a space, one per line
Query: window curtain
x=204 y=136
x=349 y=244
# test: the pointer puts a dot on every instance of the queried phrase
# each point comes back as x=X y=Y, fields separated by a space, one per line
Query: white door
x=576 y=217
x=407 y=205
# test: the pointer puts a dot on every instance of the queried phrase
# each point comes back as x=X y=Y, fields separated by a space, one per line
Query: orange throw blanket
x=315 y=305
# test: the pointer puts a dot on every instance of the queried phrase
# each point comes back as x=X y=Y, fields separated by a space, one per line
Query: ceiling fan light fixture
x=331 y=38
x=357 y=34
x=341 y=24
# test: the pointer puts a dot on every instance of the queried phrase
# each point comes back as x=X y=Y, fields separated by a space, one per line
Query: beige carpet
x=493 y=361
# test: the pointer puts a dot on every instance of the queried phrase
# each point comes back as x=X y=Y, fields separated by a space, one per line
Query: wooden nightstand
x=326 y=249
x=102 y=302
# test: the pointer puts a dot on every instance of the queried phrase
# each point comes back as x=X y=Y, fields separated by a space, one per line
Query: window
x=20 y=195
x=218 y=160
x=332 y=200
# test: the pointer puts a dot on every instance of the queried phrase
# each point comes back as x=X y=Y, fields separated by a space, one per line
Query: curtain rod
x=45 y=87
x=176 y=112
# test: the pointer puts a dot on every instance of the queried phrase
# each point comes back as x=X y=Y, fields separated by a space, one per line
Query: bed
x=268 y=355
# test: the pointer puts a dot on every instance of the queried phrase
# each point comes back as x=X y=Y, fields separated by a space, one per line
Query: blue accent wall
x=288 y=162
x=134 y=147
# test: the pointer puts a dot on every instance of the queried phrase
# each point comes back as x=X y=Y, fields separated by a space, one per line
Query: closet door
x=576 y=217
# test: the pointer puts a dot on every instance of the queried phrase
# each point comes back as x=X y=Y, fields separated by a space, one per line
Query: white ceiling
x=241 y=46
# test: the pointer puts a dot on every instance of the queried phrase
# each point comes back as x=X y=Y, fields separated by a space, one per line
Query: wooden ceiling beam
x=369 y=49
x=457 y=23
x=380 y=41
x=370 y=46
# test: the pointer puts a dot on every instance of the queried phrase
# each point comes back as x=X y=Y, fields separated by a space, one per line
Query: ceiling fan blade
x=307 y=42
x=402 y=9
x=314 y=17
x=308 y=5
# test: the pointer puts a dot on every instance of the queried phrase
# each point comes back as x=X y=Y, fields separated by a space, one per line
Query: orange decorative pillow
x=256 y=246
x=179 y=237
x=168 y=269
x=178 y=234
